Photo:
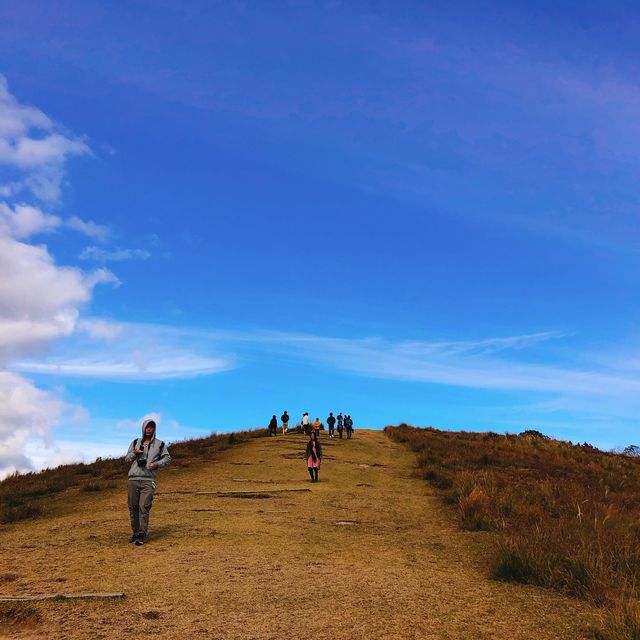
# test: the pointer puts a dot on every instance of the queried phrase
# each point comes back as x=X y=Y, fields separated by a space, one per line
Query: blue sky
x=404 y=211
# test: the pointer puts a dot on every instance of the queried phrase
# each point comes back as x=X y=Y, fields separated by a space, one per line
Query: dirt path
x=367 y=553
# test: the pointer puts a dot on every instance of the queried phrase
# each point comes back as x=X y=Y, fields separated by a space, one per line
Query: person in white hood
x=147 y=454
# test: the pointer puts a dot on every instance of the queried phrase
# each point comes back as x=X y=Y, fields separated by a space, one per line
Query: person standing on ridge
x=331 y=421
x=285 y=423
x=305 y=423
x=340 y=425
x=316 y=427
x=147 y=454
x=313 y=456
x=348 y=423
x=273 y=426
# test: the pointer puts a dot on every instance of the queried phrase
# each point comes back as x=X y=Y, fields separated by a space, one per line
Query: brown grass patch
x=15 y=616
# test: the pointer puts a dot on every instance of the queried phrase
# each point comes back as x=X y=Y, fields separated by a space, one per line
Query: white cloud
x=32 y=145
x=65 y=451
x=40 y=301
x=23 y=221
x=135 y=366
x=117 y=255
x=17 y=119
x=472 y=364
x=89 y=228
x=24 y=411
x=100 y=349
x=101 y=329
x=101 y=276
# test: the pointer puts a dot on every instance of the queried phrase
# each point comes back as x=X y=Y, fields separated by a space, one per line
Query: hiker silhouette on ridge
x=305 y=424
x=348 y=423
x=284 y=418
x=331 y=421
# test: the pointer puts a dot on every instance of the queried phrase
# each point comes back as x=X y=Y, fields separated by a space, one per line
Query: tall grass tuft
x=566 y=516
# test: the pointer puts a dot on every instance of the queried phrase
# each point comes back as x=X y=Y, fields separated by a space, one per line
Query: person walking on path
x=305 y=424
x=340 y=425
x=313 y=456
x=348 y=423
x=273 y=426
x=284 y=418
x=316 y=427
x=331 y=421
x=147 y=454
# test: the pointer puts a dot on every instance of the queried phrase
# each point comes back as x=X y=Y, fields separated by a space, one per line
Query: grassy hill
x=566 y=516
x=242 y=545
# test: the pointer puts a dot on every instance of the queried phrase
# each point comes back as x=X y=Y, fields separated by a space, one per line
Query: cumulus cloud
x=33 y=147
x=40 y=301
x=24 y=411
x=23 y=221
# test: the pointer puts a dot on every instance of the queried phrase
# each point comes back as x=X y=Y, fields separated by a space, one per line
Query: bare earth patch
x=400 y=569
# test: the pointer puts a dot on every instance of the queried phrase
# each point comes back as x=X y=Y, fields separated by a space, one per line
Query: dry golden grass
x=278 y=567
x=566 y=516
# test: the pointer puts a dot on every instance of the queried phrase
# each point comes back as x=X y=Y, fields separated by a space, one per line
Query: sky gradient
x=212 y=212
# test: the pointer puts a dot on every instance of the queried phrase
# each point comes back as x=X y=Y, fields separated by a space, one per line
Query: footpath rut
x=368 y=552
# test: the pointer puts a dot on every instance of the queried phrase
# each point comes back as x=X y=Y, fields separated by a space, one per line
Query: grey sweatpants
x=141 y=492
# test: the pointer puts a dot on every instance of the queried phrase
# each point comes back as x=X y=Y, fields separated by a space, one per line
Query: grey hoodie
x=155 y=452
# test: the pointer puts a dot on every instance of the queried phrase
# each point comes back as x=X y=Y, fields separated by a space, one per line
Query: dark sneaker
x=133 y=538
x=141 y=538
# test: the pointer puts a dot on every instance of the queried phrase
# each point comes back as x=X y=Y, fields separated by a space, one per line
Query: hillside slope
x=367 y=552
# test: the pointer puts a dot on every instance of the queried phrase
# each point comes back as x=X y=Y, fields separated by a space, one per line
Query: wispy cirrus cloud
x=116 y=255
x=89 y=228
x=512 y=363
x=100 y=329
x=136 y=366
x=488 y=363
x=127 y=352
